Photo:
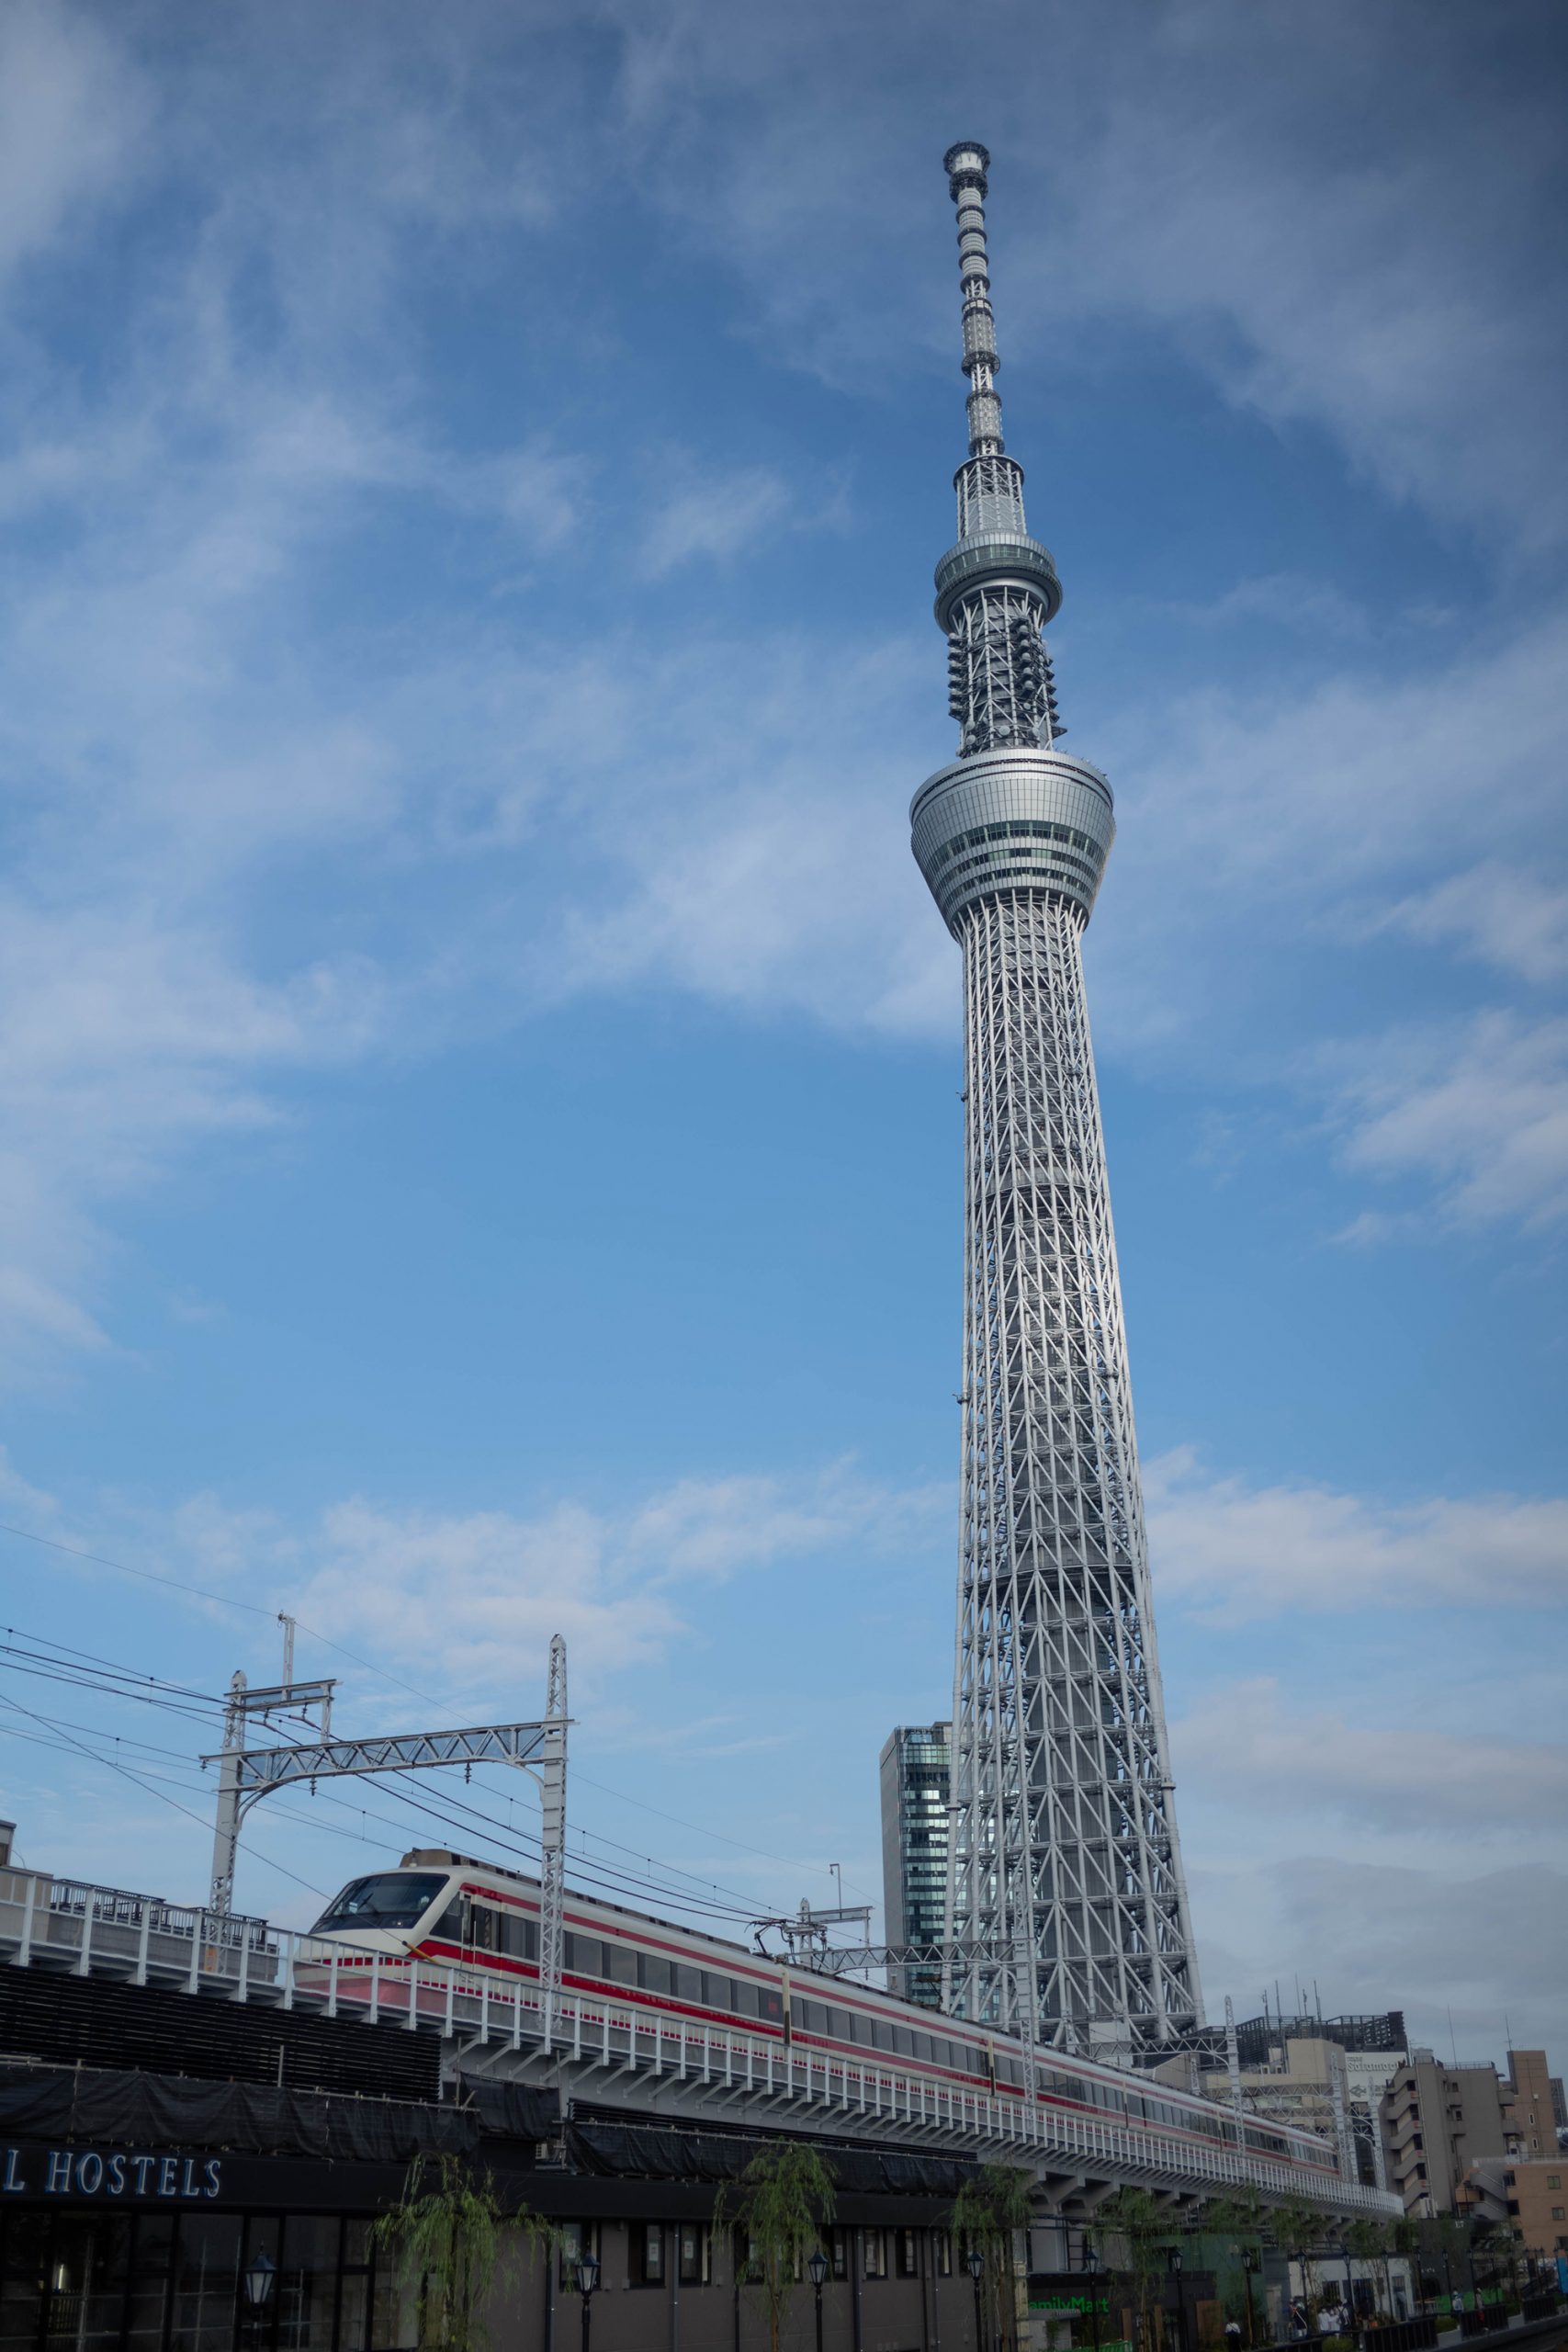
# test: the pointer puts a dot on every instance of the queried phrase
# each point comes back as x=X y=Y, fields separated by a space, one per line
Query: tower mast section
x=1066 y=1917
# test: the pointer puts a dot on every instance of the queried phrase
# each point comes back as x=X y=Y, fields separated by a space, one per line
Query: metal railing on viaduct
x=605 y=2049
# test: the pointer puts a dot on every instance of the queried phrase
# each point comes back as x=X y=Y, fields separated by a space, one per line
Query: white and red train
x=442 y=1907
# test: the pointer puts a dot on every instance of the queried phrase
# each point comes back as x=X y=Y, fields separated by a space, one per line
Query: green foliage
x=1368 y=2239
x=988 y=2212
x=785 y=2202
x=1145 y=2228
x=1298 y=2230
x=1239 y=2214
x=445 y=2241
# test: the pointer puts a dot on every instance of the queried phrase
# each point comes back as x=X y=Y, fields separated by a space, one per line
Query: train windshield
x=396 y=1899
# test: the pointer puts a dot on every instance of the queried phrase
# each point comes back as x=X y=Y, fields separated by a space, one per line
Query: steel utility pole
x=538 y=1749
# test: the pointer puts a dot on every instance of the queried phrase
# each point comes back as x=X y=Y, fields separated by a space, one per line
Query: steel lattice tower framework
x=1064 y=1869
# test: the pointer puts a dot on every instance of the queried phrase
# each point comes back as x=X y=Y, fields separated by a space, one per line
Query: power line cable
x=148 y=1789
x=227 y=1601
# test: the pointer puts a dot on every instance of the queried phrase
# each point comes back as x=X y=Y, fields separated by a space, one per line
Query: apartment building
x=1439 y=2121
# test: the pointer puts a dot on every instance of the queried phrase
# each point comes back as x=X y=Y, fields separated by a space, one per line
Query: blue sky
x=479 y=1062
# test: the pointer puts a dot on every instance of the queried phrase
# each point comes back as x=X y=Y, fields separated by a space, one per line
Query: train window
x=718 y=1992
x=810 y=2016
x=840 y=2024
x=903 y=2041
x=392 y=1899
x=688 y=1982
x=881 y=2033
x=744 y=1997
x=655 y=1975
x=481 y=1927
x=772 y=2003
x=584 y=1955
x=519 y=1937
x=449 y=1927
x=620 y=1963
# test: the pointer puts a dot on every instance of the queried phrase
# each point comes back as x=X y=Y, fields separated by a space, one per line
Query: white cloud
x=711 y=512
x=1459 y=1949
x=1286 y=600
x=121 y=1040
x=1502 y=915
x=470 y=1599
x=1411 y=1779
x=1309 y=207
x=72 y=113
x=1246 y=1551
x=1476 y=1109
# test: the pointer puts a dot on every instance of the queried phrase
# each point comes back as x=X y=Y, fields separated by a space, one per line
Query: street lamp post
x=260 y=2273
x=817 y=2265
x=1173 y=2265
x=587 y=2279
x=1091 y=2265
x=978 y=2271
x=1251 y=2259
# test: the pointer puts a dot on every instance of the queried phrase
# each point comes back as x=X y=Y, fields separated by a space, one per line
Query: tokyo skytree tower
x=1065 y=1874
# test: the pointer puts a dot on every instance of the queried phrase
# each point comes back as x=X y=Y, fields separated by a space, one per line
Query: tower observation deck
x=1065 y=1870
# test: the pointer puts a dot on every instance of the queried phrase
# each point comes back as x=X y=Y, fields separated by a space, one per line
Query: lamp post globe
x=260 y=2272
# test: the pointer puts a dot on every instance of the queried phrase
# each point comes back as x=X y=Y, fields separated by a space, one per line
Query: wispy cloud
x=1475 y=1110
x=73 y=114
x=1246 y=1551
x=469 y=1599
x=1307 y=207
x=713 y=513
x=1509 y=917
x=1407 y=1777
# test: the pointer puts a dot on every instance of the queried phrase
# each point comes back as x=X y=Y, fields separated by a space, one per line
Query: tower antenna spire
x=997 y=589
x=966 y=165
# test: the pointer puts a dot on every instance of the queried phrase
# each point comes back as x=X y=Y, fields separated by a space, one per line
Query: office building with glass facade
x=914 y=1852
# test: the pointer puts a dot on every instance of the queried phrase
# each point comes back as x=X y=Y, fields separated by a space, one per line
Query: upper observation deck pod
x=998 y=560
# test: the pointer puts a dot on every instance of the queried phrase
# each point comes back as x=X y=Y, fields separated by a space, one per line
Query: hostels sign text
x=34 y=2171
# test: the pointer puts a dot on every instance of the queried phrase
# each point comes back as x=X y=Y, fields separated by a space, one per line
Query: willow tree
x=1298 y=2230
x=988 y=2213
x=445 y=2238
x=1144 y=2227
x=1240 y=2214
x=785 y=2203
x=1368 y=2241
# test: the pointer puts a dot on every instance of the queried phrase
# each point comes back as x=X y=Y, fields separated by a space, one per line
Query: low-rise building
x=1326 y=2074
